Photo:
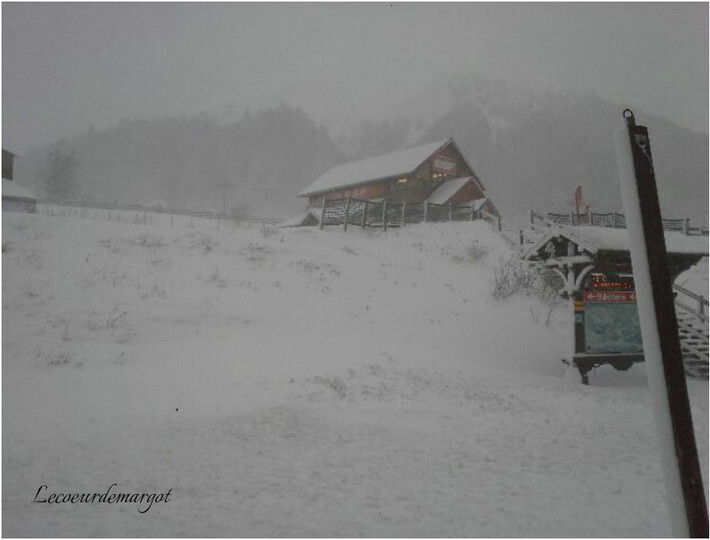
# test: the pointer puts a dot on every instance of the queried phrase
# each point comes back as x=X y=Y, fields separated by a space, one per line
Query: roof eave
x=473 y=171
x=352 y=186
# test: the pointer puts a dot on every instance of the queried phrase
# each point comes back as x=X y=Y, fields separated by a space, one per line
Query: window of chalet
x=443 y=168
x=401 y=183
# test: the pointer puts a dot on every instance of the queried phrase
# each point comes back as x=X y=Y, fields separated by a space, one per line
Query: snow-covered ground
x=297 y=382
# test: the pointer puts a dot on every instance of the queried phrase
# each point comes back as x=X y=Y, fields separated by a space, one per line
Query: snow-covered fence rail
x=140 y=213
x=614 y=220
x=365 y=213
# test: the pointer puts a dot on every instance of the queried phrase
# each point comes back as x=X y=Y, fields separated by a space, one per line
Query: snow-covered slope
x=297 y=382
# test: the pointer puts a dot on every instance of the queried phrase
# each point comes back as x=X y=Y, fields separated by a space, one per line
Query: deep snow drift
x=297 y=382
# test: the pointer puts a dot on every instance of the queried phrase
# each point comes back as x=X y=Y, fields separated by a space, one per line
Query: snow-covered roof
x=372 y=169
x=448 y=189
x=10 y=188
x=300 y=219
x=594 y=239
x=478 y=203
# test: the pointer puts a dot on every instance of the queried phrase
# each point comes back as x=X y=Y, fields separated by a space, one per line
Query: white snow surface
x=299 y=382
x=448 y=189
x=374 y=168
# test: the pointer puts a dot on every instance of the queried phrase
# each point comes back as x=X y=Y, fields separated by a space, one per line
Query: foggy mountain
x=257 y=164
x=534 y=152
x=530 y=150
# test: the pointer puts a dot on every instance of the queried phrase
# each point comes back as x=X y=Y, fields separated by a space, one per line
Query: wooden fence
x=382 y=214
x=141 y=212
x=614 y=220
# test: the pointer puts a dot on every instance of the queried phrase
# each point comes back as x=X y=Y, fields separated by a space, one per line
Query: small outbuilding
x=15 y=198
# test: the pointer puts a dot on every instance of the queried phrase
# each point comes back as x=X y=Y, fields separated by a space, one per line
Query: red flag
x=578 y=197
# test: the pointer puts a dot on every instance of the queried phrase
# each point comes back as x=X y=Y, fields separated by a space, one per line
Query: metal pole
x=659 y=329
x=384 y=215
x=347 y=211
x=322 y=213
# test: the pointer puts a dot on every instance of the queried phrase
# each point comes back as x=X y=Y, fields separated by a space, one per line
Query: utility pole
x=659 y=329
x=224 y=185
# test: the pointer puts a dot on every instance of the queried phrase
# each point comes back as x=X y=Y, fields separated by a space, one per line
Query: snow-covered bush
x=336 y=384
x=150 y=240
x=475 y=251
x=511 y=275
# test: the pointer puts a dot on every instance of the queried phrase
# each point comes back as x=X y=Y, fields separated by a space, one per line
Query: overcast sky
x=69 y=66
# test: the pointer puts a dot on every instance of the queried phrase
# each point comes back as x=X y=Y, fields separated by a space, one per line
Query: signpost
x=681 y=470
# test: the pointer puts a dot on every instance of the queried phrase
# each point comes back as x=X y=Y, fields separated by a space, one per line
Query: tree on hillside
x=60 y=175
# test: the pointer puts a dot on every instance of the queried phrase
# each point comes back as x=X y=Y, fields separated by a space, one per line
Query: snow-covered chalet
x=437 y=173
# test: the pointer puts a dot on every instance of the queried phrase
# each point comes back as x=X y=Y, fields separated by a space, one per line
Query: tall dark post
x=659 y=329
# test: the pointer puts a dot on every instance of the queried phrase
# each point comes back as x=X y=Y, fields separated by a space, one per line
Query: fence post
x=404 y=213
x=451 y=213
x=500 y=226
x=364 y=216
x=686 y=226
x=522 y=240
x=347 y=211
x=532 y=217
x=473 y=212
x=384 y=215
x=426 y=211
x=322 y=213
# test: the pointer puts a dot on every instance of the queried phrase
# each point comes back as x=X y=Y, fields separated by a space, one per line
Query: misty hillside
x=261 y=162
x=534 y=154
x=531 y=151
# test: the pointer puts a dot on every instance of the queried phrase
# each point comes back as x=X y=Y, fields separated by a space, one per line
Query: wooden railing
x=615 y=220
x=382 y=214
x=684 y=298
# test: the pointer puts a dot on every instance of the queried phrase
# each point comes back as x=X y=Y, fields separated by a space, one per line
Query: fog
x=73 y=69
x=67 y=66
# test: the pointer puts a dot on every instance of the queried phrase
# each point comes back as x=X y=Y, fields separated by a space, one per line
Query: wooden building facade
x=436 y=172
